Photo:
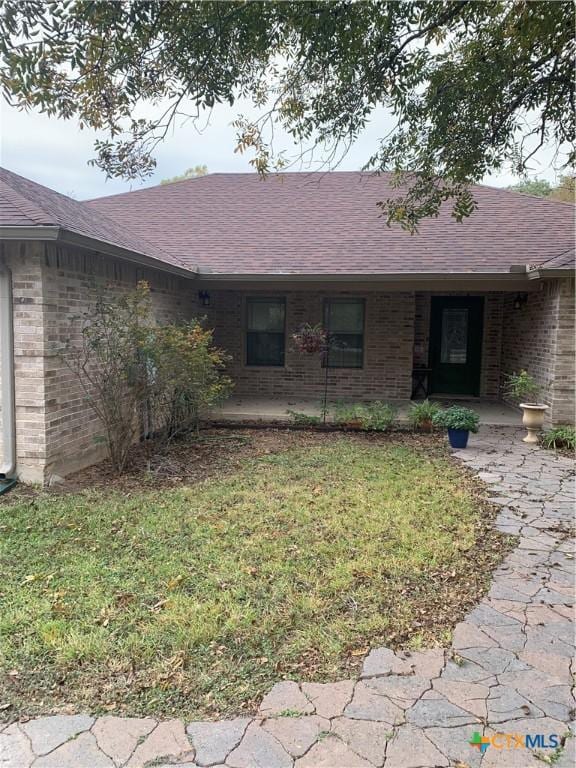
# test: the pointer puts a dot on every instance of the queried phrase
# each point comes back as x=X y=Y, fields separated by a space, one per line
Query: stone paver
x=81 y=752
x=259 y=749
x=167 y=740
x=329 y=699
x=15 y=749
x=331 y=752
x=297 y=734
x=285 y=697
x=47 y=733
x=213 y=741
x=118 y=737
x=509 y=669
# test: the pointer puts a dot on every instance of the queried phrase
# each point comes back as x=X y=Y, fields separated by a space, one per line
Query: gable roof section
x=23 y=203
x=329 y=223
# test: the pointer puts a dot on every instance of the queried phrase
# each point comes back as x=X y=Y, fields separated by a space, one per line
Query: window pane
x=265 y=315
x=264 y=348
x=345 y=315
x=345 y=350
x=454 y=336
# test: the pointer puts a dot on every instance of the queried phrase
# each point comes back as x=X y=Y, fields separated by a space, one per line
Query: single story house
x=448 y=311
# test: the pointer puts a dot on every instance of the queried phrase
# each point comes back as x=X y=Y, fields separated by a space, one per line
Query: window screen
x=265 y=337
x=344 y=321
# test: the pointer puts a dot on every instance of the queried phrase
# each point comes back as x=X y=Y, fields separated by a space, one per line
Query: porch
x=394 y=345
x=258 y=408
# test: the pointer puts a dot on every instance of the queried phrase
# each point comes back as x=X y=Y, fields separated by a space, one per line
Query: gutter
x=8 y=466
x=68 y=237
x=393 y=277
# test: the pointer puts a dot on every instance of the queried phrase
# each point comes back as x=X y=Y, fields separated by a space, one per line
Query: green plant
x=521 y=386
x=422 y=414
x=304 y=419
x=563 y=436
x=457 y=417
x=376 y=416
x=141 y=379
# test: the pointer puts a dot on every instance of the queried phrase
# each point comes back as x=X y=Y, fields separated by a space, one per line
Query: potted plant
x=421 y=415
x=523 y=388
x=459 y=422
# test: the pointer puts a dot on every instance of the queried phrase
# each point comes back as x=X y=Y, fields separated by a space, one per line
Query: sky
x=55 y=152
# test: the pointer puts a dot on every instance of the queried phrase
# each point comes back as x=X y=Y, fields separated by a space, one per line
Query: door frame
x=475 y=334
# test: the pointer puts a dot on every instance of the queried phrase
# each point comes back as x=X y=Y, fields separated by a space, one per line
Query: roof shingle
x=25 y=203
x=328 y=223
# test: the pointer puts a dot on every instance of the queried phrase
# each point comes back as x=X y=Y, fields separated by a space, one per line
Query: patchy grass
x=193 y=600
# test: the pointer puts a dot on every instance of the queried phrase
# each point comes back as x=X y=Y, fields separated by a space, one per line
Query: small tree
x=144 y=379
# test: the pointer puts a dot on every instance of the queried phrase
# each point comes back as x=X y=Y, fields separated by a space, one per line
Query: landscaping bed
x=191 y=584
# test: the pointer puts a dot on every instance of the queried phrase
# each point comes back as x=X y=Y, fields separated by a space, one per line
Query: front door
x=455 y=345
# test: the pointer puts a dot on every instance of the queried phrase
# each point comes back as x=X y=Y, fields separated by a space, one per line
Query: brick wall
x=539 y=338
x=388 y=343
x=52 y=286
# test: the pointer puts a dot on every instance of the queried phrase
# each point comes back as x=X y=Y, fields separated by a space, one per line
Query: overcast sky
x=55 y=152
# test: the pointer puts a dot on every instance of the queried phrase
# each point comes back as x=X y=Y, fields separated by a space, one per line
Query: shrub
x=522 y=387
x=457 y=417
x=376 y=416
x=304 y=419
x=141 y=379
x=560 y=437
x=422 y=414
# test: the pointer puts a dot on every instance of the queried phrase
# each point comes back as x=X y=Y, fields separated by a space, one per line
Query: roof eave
x=549 y=274
x=69 y=237
x=358 y=277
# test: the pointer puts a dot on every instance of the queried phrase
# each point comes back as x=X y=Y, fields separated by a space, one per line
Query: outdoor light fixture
x=520 y=300
x=204 y=298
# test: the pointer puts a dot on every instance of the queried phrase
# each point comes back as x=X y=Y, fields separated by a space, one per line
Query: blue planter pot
x=458 y=437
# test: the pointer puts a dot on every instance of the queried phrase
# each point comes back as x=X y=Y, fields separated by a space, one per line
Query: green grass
x=195 y=600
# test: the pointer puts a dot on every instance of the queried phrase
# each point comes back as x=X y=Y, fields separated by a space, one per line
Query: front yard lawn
x=192 y=600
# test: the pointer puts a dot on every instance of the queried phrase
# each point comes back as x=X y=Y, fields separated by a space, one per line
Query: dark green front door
x=455 y=345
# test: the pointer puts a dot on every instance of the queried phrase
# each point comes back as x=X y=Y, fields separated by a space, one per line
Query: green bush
x=304 y=419
x=563 y=436
x=457 y=417
x=422 y=414
x=375 y=417
x=522 y=386
x=142 y=379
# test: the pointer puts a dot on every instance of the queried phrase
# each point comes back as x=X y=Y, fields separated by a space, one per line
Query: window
x=454 y=341
x=344 y=321
x=265 y=321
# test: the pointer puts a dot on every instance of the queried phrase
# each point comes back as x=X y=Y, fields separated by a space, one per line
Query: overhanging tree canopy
x=471 y=85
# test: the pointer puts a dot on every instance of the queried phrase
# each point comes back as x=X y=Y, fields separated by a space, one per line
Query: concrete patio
x=507 y=675
x=276 y=409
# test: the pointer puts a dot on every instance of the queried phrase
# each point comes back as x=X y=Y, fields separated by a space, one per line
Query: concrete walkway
x=240 y=408
x=509 y=671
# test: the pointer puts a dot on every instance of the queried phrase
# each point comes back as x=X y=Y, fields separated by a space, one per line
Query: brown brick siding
x=539 y=338
x=388 y=342
x=56 y=429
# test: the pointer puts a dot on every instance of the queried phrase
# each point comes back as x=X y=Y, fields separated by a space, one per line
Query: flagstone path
x=510 y=670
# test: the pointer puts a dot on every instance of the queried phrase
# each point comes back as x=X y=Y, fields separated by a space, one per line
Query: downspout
x=8 y=466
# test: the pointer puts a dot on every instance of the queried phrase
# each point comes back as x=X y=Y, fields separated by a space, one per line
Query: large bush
x=142 y=379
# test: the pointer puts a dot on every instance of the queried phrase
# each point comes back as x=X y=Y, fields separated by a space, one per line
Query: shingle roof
x=564 y=260
x=25 y=203
x=327 y=223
